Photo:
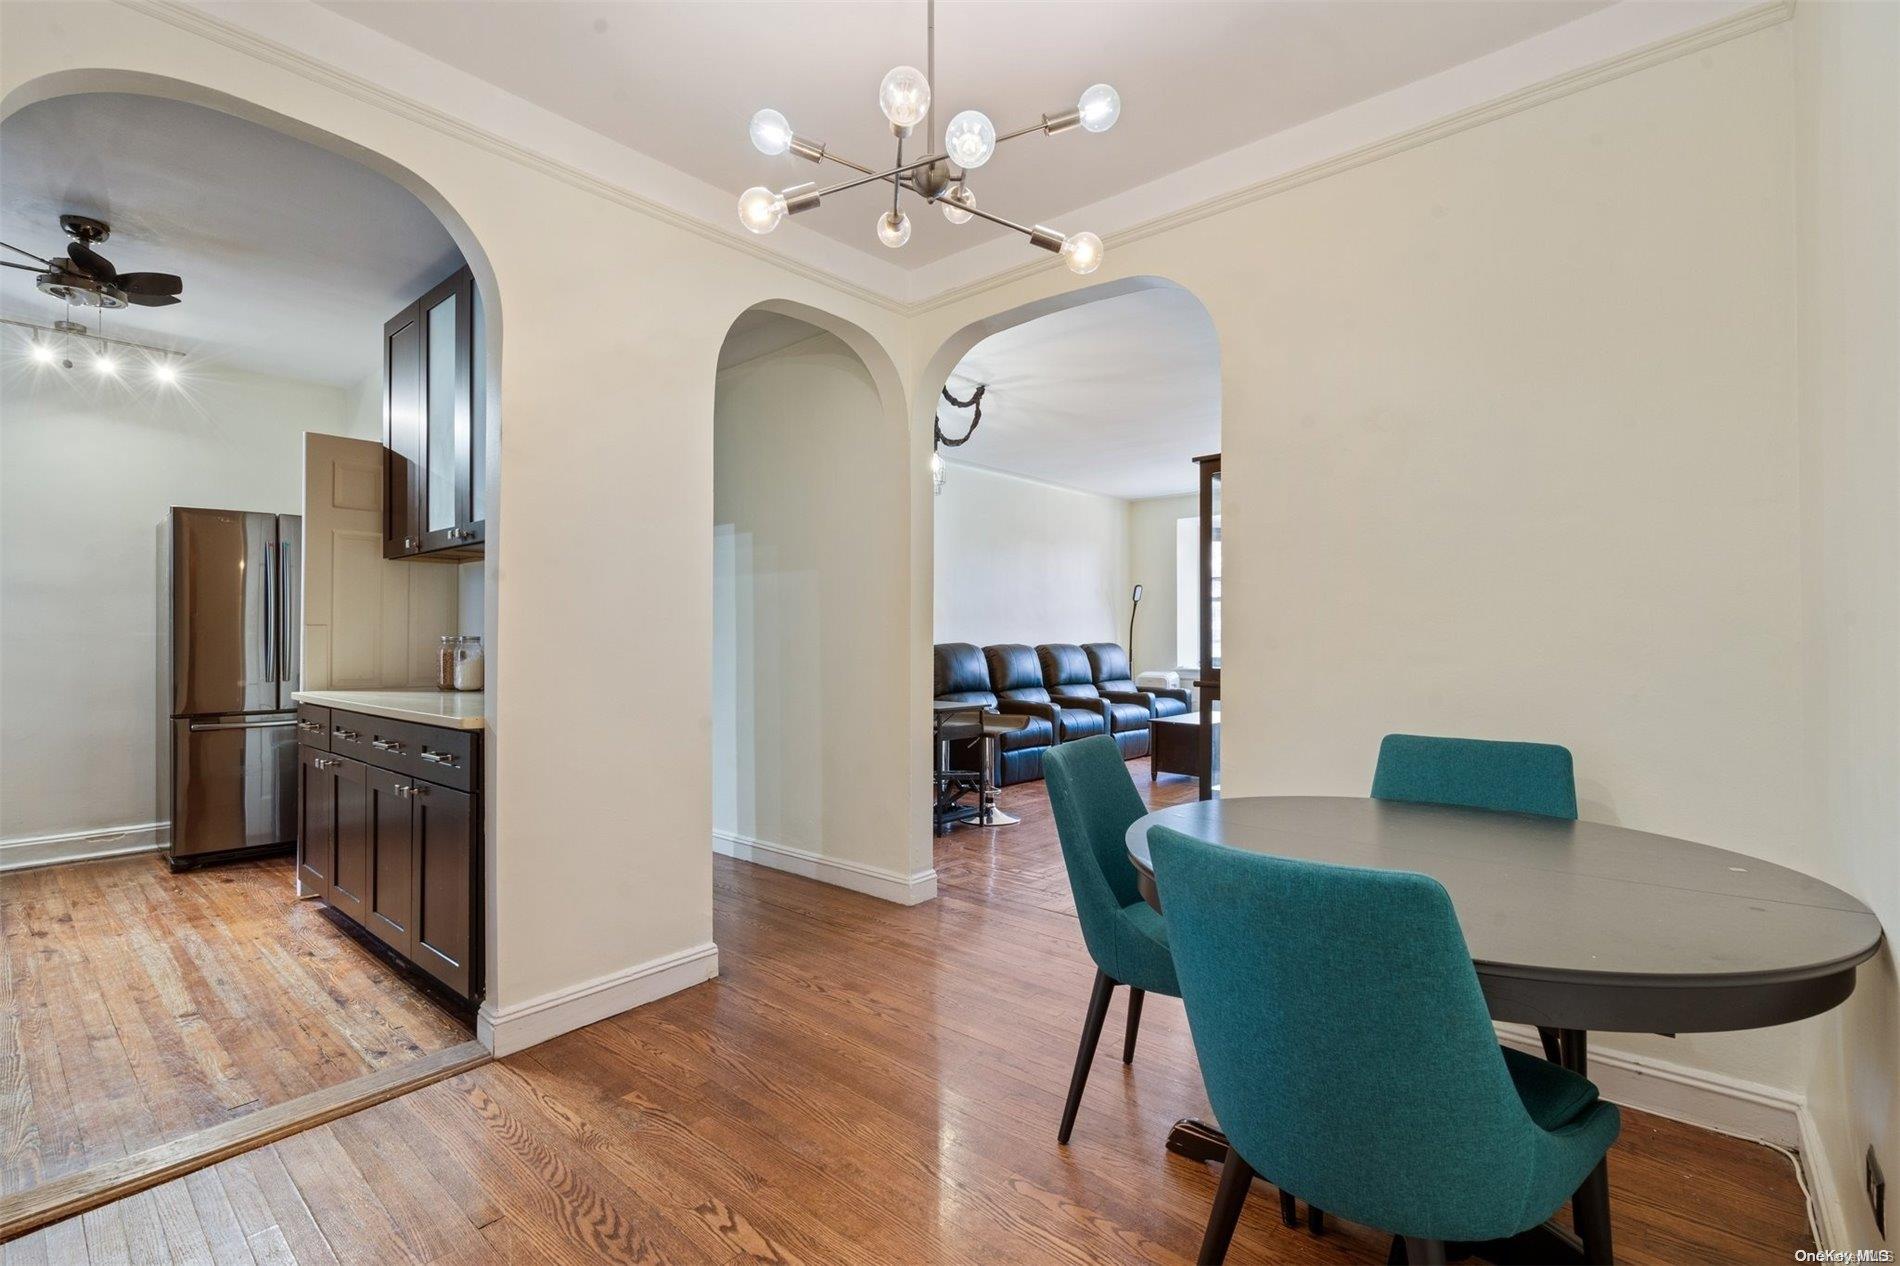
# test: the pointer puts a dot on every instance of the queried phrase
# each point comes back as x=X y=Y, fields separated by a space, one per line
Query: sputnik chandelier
x=943 y=178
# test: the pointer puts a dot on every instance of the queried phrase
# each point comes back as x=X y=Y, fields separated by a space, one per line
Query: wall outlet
x=1877 y=1192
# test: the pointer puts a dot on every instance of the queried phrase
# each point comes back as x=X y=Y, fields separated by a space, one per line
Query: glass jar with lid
x=458 y=663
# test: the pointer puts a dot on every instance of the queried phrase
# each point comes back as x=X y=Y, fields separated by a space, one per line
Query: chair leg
x=1315 y=1220
x=1085 y=1055
x=1424 y=1252
x=1235 y=1177
x=1134 y=1024
x=1395 y=1256
x=1289 y=1209
x=1553 y=1051
x=1590 y=1207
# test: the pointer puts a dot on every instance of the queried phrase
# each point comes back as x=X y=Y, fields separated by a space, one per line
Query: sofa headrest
x=1064 y=665
x=1013 y=667
x=960 y=670
x=1107 y=661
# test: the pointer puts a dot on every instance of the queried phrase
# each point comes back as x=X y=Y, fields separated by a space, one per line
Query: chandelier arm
x=29 y=254
x=903 y=169
x=897 y=186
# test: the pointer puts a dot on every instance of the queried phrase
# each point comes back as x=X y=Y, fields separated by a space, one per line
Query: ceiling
x=1116 y=397
x=292 y=256
x=678 y=81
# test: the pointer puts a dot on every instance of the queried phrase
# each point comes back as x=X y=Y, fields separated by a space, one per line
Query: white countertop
x=457 y=710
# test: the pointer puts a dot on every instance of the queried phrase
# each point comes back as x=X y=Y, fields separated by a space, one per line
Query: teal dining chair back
x=1477 y=774
x=1094 y=802
x=1349 y=1055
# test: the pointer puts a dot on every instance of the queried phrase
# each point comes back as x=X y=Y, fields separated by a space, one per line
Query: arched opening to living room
x=248 y=470
x=811 y=488
x=1068 y=597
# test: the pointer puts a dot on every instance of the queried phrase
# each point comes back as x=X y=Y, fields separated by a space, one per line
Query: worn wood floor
x=141 y=1006
x=863 y=1083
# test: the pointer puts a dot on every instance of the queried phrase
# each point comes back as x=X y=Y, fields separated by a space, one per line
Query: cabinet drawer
x=313 y=726
x=349 y=734
x=448 y=757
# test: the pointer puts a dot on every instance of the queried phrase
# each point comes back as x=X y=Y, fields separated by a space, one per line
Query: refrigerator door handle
x=270 y=615
x=198 y=726
x=284 y=673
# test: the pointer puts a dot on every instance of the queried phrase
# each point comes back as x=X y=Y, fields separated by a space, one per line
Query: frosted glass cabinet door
x=444 y=404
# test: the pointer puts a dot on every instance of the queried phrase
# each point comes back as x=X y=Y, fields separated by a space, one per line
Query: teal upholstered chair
x=1480 y=774
x=1094 y=801
x=1350 y=1058
x=1477 y=774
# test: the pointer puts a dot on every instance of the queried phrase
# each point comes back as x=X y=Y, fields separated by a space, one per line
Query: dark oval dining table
x=1572 y=926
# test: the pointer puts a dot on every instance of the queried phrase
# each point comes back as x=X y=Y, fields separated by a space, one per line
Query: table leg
x=992 y=759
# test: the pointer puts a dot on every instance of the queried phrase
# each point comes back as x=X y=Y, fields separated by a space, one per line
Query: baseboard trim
x=1727 y=1105
x=1826 y=1214
x=873 y=881
x=27 y=851
x=506 y=1030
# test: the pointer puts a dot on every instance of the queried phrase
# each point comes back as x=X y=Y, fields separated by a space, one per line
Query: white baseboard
x=79 y=846
x=1825 y=1210
x=1727 y=1105
x=874 y=881
x=505 y=1030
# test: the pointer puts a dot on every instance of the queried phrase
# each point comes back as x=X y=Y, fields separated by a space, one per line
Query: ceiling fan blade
x=151 y=301
x=150 y=283
x=90 y=262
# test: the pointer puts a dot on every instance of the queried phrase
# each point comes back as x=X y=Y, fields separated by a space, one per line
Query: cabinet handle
x=310 y=727
x=324 y=762
x=387 y=745
x=462 y=534
x=348 y=736
x=438 y=758
x=417 y=789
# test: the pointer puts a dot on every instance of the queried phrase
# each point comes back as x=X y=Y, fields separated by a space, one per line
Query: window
x=1187 y=592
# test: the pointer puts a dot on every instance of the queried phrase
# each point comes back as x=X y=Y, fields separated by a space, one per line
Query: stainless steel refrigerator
x=228 y=647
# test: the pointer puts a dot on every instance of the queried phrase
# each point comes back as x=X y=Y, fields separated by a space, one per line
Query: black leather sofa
x=1068 y=691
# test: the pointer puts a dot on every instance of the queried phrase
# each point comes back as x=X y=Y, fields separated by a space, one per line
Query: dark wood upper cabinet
x=434 y=422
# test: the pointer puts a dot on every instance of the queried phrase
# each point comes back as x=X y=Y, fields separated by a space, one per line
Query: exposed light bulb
x=893 y=229
x=771 y=134
x=760 y=209
x=1082 y=253
x=105 y=366
x=954 y=199
x=1101 y=105
x=42 y=353
x=970 y=139
x=904 y=96
x=165 y=372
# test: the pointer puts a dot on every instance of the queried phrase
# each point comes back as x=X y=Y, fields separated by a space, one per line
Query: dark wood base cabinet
x=396 y=853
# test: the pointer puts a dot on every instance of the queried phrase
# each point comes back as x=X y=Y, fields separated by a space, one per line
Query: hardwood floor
x=144 y=1005
x=863 y=1083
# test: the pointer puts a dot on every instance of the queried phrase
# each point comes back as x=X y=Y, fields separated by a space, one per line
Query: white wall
x=1018 y=560
x=1510 y=449
x=1151 y=563
x=88 y=470
x=809 y=505
x=1848 y=188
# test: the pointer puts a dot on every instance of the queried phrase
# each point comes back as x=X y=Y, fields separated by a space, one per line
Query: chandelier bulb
x=955 y=198
x=760 y=209
x=1101 y=105
x=1082 y=253
x=904 y=96
x=970 y=139
x=771 y=134
x=893 y=229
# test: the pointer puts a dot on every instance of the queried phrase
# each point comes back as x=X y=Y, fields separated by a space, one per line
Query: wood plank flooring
x=863 y=1083
x=142 y=1006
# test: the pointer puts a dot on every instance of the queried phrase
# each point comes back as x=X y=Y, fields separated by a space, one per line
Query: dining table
x=1575 y=927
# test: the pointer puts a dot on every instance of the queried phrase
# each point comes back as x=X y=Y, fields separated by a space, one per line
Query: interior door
x=390 y=904
x=223 y=612
x=444 y=836
x=403 y=438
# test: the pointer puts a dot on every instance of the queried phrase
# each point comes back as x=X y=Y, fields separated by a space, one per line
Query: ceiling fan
x=85 y=277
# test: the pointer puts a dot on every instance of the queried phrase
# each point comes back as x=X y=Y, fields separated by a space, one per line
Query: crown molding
x=870 y=280
x=1384 y=141
x=1566 y=60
